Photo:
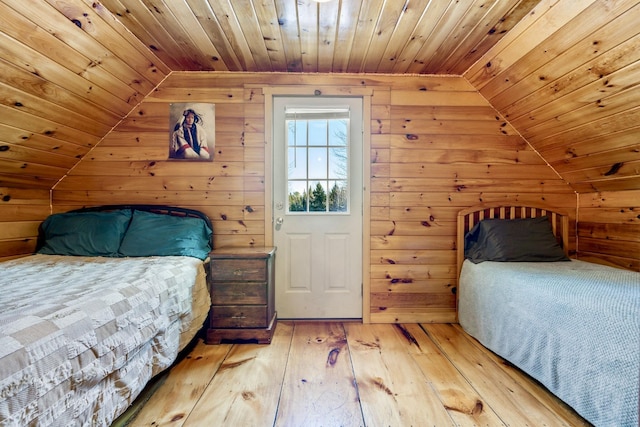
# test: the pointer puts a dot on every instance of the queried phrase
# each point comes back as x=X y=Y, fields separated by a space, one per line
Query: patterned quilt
x=80 y=337
x=574 y=326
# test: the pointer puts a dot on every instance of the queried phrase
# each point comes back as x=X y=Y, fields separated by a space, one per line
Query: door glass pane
x=338 y=132
x=338 y=196
x=297 y=160
x=298 y=196
x=318 y=160
x=318 y=163
x=318 y=132
x=297 y=132
x=317 y=197
x=337 y=163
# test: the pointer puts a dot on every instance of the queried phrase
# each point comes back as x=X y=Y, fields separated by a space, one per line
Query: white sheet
x=80 y=337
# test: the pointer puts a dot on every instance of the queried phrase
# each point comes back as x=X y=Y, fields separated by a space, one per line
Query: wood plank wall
x=21 y=212
x=609 y=228
x=437 y=146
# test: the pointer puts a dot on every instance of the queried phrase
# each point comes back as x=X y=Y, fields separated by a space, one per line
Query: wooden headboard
x=469 y=217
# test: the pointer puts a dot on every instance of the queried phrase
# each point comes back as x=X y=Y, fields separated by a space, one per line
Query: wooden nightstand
x=241 y=284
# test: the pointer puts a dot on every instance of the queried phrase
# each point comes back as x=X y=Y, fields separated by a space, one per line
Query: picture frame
x=192 y=131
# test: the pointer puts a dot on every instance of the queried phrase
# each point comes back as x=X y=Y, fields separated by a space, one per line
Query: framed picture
x=192 y=131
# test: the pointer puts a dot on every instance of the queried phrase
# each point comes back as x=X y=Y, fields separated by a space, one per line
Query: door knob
x=279 y=222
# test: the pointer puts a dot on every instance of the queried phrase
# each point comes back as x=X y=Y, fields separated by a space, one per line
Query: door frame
x=316 y=90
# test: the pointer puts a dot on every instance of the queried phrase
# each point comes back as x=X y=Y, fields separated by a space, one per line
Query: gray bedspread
x=573 y=326
x=80 y=337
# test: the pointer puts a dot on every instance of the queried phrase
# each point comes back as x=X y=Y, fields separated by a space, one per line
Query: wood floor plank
x=543 y=395
x=462 y=401
x=184 y=384
x=393 y=391
x=508 y=397
x=246 y=388
x=319 y=388
x=349 y=374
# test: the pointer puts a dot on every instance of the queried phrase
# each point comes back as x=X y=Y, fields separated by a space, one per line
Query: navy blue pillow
x=84 y=233
x=518 y=240
x=151 y=234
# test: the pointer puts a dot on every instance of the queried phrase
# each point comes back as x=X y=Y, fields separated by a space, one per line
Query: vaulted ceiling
x=564 y=73
x=372 y=36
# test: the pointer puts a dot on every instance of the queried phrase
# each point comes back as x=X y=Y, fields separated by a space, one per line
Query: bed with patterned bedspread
x=80 y=336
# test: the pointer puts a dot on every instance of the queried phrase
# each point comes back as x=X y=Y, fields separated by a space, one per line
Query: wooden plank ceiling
x=563 y=72
x=372 y=36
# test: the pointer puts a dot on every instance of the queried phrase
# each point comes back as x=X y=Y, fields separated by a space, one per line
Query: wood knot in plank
x=407 y=335
x=401 y=280
x=232 y=365
x=333 y=356
x=392 y=231
x=368 y=344
x=177 y=417
x=614 y=169
x=379 y=383
x=477 y=409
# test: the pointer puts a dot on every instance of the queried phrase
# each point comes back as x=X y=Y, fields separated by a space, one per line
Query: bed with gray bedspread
x=573 y=326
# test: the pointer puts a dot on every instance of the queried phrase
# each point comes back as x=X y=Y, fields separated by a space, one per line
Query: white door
x=317 y=206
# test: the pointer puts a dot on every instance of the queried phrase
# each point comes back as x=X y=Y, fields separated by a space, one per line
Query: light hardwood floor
x=349 y=374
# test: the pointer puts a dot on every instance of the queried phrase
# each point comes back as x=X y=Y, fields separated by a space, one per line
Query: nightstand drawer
x=238 y=293
x=239 y=269
x=239 y=316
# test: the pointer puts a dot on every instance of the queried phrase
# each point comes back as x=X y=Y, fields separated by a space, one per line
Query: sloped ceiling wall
x=565 y=75
x=567 y=78
x=68 y=74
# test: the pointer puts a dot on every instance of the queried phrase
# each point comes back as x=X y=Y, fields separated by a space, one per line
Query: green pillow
x=84 y=233
x=151 y=234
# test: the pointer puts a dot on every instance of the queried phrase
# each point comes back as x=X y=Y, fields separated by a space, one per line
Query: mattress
x=573 y=326
x=81 y=336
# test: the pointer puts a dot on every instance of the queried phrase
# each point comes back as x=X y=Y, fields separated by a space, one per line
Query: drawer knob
x=237 y=272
